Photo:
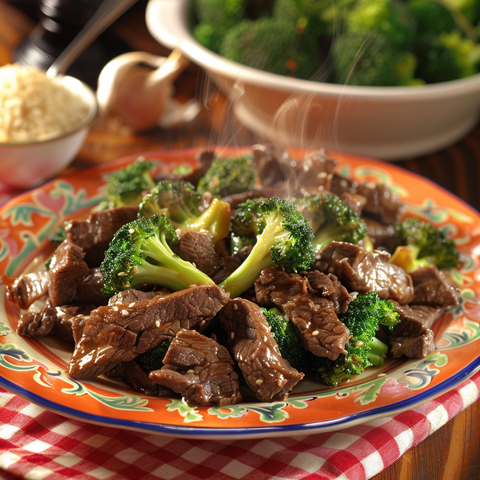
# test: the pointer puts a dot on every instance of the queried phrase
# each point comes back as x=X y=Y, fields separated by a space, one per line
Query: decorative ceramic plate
x=35 y=369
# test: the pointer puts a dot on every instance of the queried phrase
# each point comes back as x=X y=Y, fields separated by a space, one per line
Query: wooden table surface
x=451 y=453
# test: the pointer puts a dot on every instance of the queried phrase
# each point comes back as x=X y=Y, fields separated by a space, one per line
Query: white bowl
x=28 y=164
x=389 y=123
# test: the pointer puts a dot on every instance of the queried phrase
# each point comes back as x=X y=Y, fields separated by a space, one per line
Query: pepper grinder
x=59 y=21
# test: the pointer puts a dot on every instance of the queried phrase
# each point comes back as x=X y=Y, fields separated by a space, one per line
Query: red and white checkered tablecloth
x=38 y=444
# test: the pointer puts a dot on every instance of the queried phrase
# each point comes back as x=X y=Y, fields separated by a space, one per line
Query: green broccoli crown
x=431 y=17
x=153 y=359
x=287 y=339
x=140 y=253
x=227 y=176
x=419 y=243
x=246 y=220
x=331 y=220
x=389 y=17
x=446 y=57
x=125 y=186
x=272 y=44
x=180 y=203
x=58 y=235
x=363 y=318
x=220 y=13
x=176 y=199
x=284 y=239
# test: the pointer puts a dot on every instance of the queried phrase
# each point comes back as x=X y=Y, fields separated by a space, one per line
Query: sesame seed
x=235 y=306
x=118 y=302
x=190 y=372
x=115 y=308
x=131 y=230
x=232 y=335
x=202 y=323
x=279 y=383
x=259 y=381
x=131 y=305
x=121 y=274
x=124 y=313
x=157 y=323
x=315 y=333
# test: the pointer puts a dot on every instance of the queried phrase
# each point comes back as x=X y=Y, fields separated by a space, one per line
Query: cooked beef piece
x=329 y=287
x=133 y=374
x=89 y=289
x=199 y=249
x=363 y=271
x=38 y=323
x=380 y=235
x=413 y=336
x=204 y=161
x=236 y=199
x=28 y=288
x=118 y=333
x=314 y=173
x=270 y=168
x=381 y=203
x=355 y=202
x=416 y=347
x=431 y=287
x=95 y=234
x=252 y=344
x=58 y=321
x=199 y=369
x=133 y=295
x=321 y=332
x=67 y=270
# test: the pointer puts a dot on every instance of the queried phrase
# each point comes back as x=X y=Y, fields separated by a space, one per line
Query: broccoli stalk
x=363 y=318
x=139 y=253
x=284 y=240
x=331 y=220
x=180 y=203
x=419 y=243
x=153 y=359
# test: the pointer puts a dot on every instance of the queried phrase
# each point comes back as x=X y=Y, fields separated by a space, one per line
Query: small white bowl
x=389 y=123
x=27 y=164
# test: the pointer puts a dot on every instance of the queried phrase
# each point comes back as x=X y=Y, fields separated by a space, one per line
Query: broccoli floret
x=153 y=359
x=58 y=235
x=363 y=318
x=220 y=13
x=288 y=341
x=468 y=9
x=180 y=203
x=419 y=243
x=331 y=220
x=273 y=45
x=431 y=17
x=140 y=253
x=227 y=176
x=388 y=17
x=447 y=56
x=245 y=225
x=125 y=186
x=284 y=239
x=371 y=60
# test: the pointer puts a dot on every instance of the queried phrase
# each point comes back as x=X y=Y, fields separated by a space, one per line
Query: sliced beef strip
x=252 y=344
x=119 y=333
x=416 y=347
x=67 y=270
x=133 y=374
x=28 y=288
x=89 y=289
x=199 y=369
x=381 y=203
x=270 y=168
x=413 y=336
x=313 y=174
x=381 y=236
x=199 y=249
x=353 y=201
x=134 y=295
x=363 y=271
x=236 y=199
x=230 y=263
x=314 y=317
x=431 y=287
x=329 y=287
x=49 y=320
x=95 y=234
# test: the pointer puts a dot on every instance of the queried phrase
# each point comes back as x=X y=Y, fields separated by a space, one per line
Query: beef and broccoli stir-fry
x=203 y=282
